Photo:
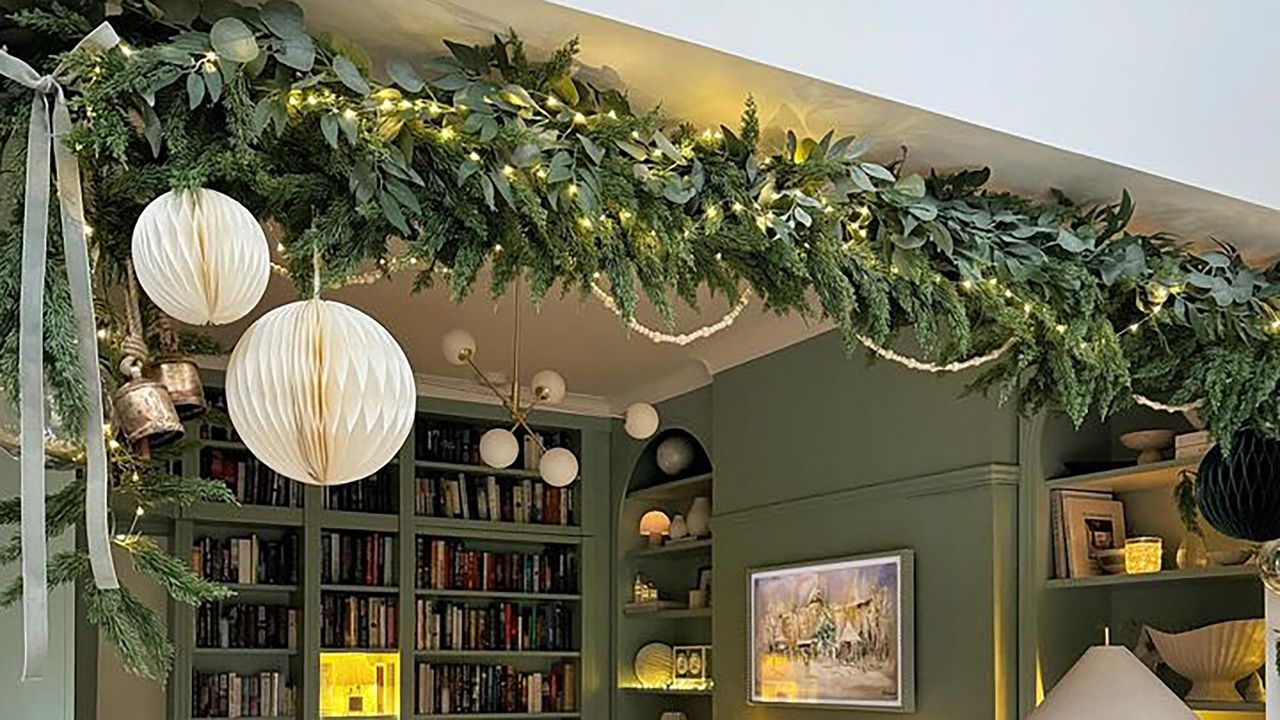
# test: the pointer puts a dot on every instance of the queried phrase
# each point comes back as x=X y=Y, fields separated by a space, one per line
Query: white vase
x=699 y=518
x=679 y=528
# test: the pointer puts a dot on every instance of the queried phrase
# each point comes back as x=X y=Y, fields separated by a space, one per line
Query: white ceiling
x=585 y=341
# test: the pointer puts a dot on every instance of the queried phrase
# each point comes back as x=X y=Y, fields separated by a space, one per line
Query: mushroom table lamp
x=654 y=525
x=1109 y=683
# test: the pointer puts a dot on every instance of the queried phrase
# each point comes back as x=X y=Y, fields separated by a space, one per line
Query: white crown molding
x=440 y=387
x=691 y=376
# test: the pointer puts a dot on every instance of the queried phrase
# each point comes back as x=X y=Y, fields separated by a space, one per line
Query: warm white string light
x=1157 y=405
x=660 y=337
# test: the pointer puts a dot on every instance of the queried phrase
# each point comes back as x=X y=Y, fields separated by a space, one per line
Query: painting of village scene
x=833 y=633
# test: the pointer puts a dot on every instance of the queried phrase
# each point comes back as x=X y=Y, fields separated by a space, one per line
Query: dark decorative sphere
x=1239 y=494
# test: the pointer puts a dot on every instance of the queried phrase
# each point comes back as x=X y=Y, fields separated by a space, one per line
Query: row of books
x=374 y=494
x=247 y=559
x=232 y=695
x=252 y=482
x=357 y=621
x=455 y=442
x=357 y=558
x=443 y=625
x=461 y=689
x=449 y=565
x=490 y=498
x=246 y=625
x=217 y=400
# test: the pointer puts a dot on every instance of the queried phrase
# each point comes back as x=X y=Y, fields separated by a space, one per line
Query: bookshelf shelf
x=357 y=589
x=245 y=652
x=260 y=588
x=1227 y=707
x=482 y=470
x=689 y=546
x=1128 y=479
x=498 y=595
x=670 y=614
x=499 y=716
x=683 y=489
x=1229 y=572
x=362 y=521
x=269 y=515
x=500 y=654
x=494 y=530
x=668 y=691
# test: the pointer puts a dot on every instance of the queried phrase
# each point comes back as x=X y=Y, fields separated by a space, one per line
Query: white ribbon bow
x=51 y=121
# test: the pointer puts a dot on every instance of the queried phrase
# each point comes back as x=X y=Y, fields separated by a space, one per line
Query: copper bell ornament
x=145 y=414
x=181 y=378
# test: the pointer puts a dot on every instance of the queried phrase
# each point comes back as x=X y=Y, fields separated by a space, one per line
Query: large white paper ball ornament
x=201 y=256
x=558 y=467
x=551 y=383
x=320 y=392
x=641 y=421
x=458 y=346
x=499 y=448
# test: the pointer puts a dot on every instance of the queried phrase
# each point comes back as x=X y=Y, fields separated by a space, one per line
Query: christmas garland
x=488 y=158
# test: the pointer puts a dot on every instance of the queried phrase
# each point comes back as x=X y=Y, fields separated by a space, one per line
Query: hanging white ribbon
x=50 y=122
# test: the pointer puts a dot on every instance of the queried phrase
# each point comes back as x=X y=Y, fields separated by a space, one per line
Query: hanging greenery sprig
x=486 y=157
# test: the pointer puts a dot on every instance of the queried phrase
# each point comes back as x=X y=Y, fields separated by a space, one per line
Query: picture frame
x=836 y=633
x=704 y=581
x=1090 y=524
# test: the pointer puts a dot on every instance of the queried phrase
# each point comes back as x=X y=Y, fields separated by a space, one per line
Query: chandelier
x=499 y=446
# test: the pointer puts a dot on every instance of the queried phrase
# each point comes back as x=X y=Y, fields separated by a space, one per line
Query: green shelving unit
x=588 y=539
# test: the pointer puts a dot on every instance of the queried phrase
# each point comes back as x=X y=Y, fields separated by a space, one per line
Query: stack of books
x=445 y=625
x=357 y=558
x=374 y=494
x=496 y=689
x=248 y=479
x=244 y=625
x=1192 y=444
x=449 y=565
x=459 y=443
x=228 y=694
x=246 y=560
x=499 y=500
x=358 y=621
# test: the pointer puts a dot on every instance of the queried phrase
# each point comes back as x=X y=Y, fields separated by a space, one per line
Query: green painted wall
x=816 y=456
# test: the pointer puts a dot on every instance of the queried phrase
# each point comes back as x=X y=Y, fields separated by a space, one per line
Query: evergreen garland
x=489 y=158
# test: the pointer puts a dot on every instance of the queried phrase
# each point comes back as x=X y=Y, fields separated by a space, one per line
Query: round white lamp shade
x=558 y=467
x=201 y=256
x=641 y=421
x=1109 y=683
x=499 y=448
x=551 y=383
x=458 y=346
x=320 y=392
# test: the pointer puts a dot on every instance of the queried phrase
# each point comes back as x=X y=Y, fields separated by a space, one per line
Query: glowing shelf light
x=360 y=684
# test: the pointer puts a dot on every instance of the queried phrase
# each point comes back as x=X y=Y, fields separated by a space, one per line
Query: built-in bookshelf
x=1064 y=610
x=464 y=573
x=674 y=567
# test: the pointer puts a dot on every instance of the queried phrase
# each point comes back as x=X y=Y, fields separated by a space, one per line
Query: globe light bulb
x=459 y=346
x=558 y=467
x=499 y=448
x=548 y=387
x=641 y=421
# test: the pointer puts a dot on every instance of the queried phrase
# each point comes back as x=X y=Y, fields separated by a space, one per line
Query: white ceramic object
x=699 y=517
x=201 y=256
x=1229 y=556
x=675 y=454
x=655 y=665
x=640 y=421
x=1214 y=658
x=679 y=529
x=1150 y=444
x=499 y=448
x=321 y=392
x=558 y=467
x=1111 y=561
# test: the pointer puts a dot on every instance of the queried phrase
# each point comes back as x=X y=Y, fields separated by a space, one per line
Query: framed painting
x=836 y=633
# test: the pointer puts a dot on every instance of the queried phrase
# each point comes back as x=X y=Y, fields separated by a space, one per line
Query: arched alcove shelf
x=675 y=567
x=1061 y=615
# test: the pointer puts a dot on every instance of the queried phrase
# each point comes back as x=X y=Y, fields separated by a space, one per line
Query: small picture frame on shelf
x=1092 y=525
x=704 y=582
x=692 y=665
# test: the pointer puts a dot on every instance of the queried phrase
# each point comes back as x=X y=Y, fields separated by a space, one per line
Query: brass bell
x=181 y=378
x=144 y=412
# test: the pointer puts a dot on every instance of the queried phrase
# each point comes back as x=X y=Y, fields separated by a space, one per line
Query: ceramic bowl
x=1215 y=657
x=1148 y=443
x=1111 y=561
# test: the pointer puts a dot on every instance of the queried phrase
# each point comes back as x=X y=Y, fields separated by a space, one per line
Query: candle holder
x=1143 y=555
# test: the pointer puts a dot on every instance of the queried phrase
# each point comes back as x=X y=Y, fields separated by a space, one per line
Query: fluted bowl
x=1215 y=657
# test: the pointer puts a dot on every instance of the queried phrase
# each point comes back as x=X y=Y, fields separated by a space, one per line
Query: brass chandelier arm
x=506 y=402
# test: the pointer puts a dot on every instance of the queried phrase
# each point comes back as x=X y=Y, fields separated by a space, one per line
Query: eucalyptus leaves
x=486 y=158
